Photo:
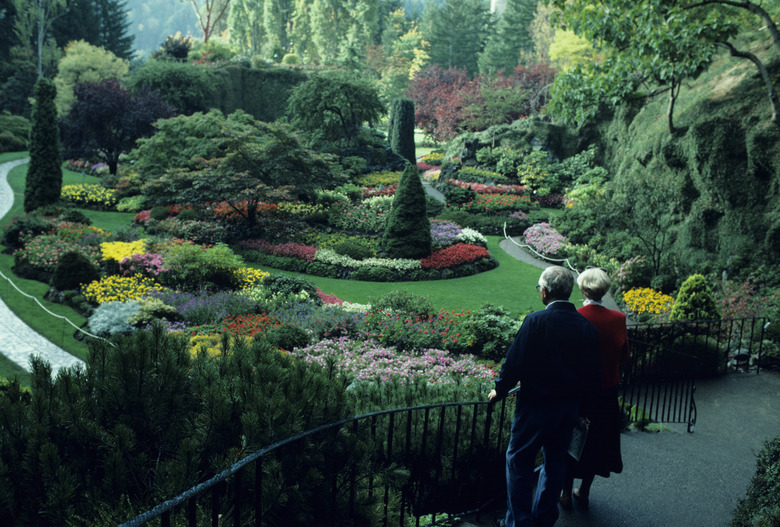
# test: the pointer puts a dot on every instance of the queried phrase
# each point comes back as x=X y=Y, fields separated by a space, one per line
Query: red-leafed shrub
x=225 y=210
x=143 y=216
x=459 y=254
x=296 y=250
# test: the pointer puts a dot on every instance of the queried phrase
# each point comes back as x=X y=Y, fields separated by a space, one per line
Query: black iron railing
x=391 y=467
x=659 y=382
x=395 y=467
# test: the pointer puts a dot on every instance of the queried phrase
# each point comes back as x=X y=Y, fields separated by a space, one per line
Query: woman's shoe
x=580 y=499
x=565 y=501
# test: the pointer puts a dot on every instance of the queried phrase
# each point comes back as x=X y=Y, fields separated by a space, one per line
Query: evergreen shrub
x=489 y=331
x=193 y=267
x=761 y=505
x=21 y=226
x=73 y=270
x=15 y=131
x=187 y=215
x=354 y=249
x=322 y=269
x=188 y=88
x=44 y=172
x=373 y=274
x=407 y=232
x=291 y=58
x=287 y=337
x=694 y=301
x=75 y=216
x=12 y=143
x=402 y=129
x=158 y=213
x=403 y=302
x=284 y=285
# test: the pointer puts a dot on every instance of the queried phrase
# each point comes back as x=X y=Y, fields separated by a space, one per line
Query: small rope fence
x=55 y=315
x=536 y=253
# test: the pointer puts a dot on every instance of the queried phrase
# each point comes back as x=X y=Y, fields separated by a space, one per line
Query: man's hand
x=492 y=395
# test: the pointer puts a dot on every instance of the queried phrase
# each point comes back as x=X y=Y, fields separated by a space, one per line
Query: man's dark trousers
x=545 y=425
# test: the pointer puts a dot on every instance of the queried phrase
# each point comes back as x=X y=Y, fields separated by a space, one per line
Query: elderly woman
x=601 y=454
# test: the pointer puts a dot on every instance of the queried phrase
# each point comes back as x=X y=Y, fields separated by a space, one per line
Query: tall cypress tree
x=511 y=38
x=114 y=28
x=408 y=230
x=402 y=129
x=44 y=173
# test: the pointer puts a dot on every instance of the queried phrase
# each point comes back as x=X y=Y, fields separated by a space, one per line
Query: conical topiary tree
x=694 y=301
x=408 y=229
x=44 y=173
x=402 y=129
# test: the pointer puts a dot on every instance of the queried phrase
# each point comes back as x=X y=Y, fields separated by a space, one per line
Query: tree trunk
x=673 y=93
x=770 y=87
x=753 y=8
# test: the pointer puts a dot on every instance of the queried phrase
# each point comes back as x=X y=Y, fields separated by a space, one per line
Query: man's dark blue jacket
x=554 y=356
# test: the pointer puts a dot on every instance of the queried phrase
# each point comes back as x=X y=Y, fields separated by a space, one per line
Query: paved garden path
x=17 y=340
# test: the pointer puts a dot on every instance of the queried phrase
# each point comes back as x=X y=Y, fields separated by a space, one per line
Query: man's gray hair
x=558 y=282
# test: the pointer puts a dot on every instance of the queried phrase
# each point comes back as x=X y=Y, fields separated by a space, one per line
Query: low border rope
x=539 y=255
x=55 y=315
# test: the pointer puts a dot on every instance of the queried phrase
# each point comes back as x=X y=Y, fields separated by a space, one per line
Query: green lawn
x=512 y=285
x=421 y=146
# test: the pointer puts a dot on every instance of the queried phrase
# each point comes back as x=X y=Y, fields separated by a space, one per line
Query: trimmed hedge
x=761 y=506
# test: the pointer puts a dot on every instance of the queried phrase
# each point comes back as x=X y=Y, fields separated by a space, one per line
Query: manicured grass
x=512 y=285
x=54 y=329
x=110 y=221
x=421 y=146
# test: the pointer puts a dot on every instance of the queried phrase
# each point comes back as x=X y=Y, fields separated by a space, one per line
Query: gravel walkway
x=17 y=340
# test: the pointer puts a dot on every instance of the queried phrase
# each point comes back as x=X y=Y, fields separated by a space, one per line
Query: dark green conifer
x=402 y=129
x=408 y=230
x=44 y=173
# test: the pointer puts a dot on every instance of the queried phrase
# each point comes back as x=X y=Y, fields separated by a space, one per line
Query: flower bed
x=647 y=301
x=90 y=195
x=119 y=289
x=43 y=252
x=496 y=203
x=481 y=188
x=367 y=361
x=544 y=239
x=458 y=254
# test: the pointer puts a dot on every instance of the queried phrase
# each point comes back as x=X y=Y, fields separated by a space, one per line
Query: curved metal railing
x=403 y=467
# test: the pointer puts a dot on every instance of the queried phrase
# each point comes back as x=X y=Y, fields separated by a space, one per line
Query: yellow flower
x=246 y=277
x=120 y=250
x=119 y=289
x=643 y=300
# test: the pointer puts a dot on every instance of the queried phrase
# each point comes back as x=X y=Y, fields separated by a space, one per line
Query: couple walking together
x=567 y=362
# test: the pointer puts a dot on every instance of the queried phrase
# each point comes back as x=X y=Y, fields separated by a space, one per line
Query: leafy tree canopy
x=647 y=45
x=84 y=62
x=179 y=140
x=334 y=105
x=106 y=119
x=270 y=163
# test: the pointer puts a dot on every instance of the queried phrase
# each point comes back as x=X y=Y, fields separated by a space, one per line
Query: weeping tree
x=44 y=174
x=408 y=230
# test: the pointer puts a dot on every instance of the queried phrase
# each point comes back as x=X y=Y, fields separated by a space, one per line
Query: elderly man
x=555 y=357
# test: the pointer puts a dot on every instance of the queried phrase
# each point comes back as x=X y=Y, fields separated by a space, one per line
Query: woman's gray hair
x=558 y=282
x=594 y=283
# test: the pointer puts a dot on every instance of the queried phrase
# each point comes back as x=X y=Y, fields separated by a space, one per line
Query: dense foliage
x=44 y=175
